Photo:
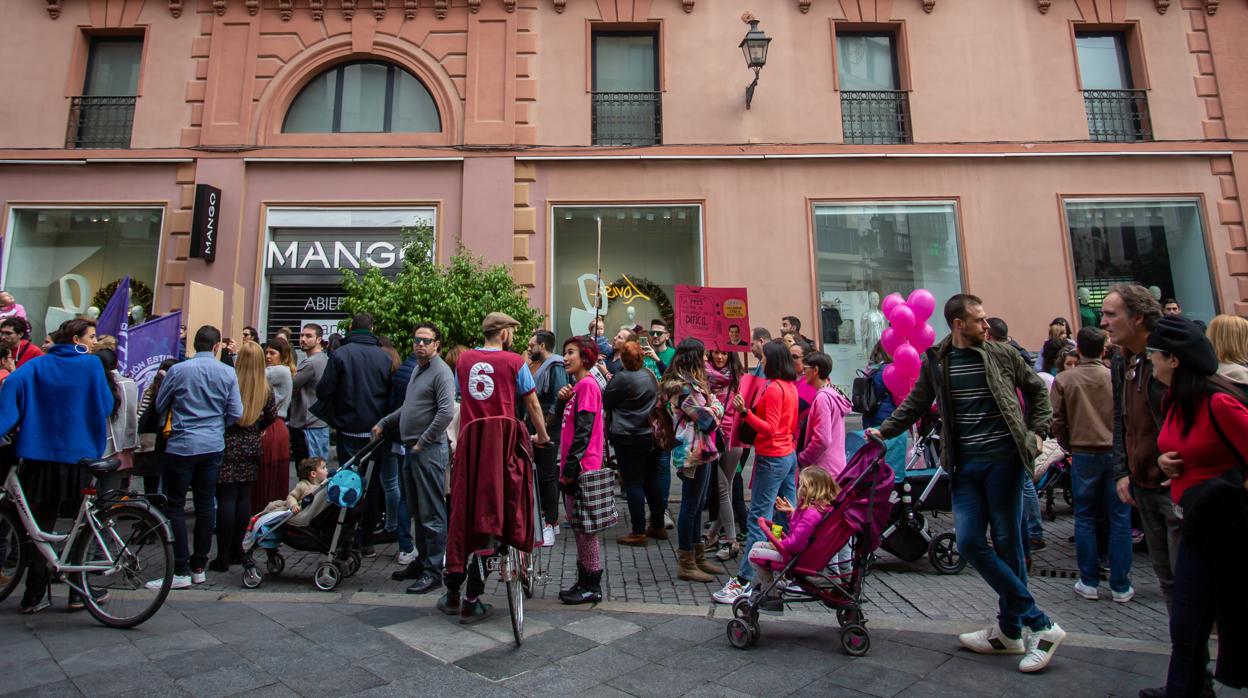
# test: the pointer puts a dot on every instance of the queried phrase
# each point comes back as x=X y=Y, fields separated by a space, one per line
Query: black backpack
x=866 y=396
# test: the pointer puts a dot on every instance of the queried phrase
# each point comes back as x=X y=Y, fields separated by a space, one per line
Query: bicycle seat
x=101 y=466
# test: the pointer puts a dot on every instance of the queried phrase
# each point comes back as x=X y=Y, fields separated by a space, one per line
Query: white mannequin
x=138 y=314
x=1156 y=292
x=873 y=322
x=93 y=313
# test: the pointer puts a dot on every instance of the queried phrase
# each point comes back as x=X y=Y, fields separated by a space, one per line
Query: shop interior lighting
x=636 y=215
x=649 y=216
x=619 y=215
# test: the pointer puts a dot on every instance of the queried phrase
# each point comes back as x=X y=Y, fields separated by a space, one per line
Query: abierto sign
x=205 y=222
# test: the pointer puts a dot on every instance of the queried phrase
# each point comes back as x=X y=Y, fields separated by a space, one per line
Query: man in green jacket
x=989 y=446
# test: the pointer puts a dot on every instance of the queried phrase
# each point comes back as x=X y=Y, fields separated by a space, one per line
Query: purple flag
x=115 y=321
x=150 y=344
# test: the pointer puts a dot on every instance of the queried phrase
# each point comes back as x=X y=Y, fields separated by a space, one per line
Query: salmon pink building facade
x=1033 y=152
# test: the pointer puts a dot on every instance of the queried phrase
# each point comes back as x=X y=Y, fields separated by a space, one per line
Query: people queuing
x=242 y=474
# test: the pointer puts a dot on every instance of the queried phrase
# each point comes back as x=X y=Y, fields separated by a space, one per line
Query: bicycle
x=119 y=542
x=520 y=571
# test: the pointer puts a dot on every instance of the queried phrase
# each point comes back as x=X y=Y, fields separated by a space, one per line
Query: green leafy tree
x=456 y=297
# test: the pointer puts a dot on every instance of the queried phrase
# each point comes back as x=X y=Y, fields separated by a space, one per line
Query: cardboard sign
x=718 y=316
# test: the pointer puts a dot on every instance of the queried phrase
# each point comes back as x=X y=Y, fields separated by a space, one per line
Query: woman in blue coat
x=60 y=405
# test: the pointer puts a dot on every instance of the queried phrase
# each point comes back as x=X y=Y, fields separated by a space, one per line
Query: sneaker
x=198 y=577
x=548 y=536
x=1086 y=591
x=449 y=603
x=474 y=612
x=1040 y=648
x=1124 y=596
x=667 y=521
x=405 y=558
x=77 y=602
x=991 y=640
x=180 y=581
x=1038 y=544
x=44 y=603
x=733 y=590
x=368 y=551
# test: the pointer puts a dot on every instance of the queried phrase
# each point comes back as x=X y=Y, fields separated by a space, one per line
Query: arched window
x=365 y=97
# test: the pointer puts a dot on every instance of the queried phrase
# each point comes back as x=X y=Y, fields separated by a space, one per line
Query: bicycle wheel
x=134 y=538
x=12 y=553
x=528 y=571
x=515 y=593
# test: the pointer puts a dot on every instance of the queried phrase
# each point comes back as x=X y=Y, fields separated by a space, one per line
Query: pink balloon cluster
x=907 y=336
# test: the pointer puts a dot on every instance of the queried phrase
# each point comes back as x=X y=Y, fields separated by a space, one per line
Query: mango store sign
x=329 y=256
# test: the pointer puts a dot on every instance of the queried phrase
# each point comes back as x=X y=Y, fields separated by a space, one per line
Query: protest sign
x=717 y=316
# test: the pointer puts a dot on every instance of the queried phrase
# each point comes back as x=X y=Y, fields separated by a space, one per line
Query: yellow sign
x=627 y=291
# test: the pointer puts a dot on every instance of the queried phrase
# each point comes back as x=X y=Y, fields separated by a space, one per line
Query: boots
x=636 y=539
x=688 y=568
x=699 y=559
x=657 y=532
x=588 y=588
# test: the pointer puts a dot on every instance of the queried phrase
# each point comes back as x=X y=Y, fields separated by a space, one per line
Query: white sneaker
x=1040 y=648
x=198 y=576
x=1087 y=592
x=731 y=591
x=403 y=559
x=667 y=521
x=1124 y=596
x=180 y=581
x=991 y=640
x=548 y=536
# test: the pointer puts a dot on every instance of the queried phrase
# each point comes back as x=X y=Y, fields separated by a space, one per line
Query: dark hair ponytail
x=109 y=358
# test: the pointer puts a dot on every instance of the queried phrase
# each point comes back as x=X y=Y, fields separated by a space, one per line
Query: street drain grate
x=1059 y=573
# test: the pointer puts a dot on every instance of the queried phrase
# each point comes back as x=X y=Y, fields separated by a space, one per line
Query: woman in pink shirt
x=580 y=449
x=824 y=446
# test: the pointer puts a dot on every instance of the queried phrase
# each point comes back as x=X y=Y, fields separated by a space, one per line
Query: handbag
x=746 y=433
x=595 y=501
x=662 y=425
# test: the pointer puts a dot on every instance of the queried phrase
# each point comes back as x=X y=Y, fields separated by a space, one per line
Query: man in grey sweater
x=309 y=435
x=422 y=420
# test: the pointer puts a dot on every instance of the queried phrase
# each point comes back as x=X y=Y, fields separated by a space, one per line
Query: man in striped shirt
x=989 y=445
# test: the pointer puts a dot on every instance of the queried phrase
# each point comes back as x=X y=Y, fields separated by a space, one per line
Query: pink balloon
x=890 y=301
x=890 y=340
x=893 y=380
x=922 y=302
x=923 y=338
x=902 y=320
x=907 y=361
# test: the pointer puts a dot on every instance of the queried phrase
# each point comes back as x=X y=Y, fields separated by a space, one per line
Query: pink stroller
x=857 y=516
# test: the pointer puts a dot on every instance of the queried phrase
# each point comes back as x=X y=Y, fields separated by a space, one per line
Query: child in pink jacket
x=825 y=425
x=816 y=489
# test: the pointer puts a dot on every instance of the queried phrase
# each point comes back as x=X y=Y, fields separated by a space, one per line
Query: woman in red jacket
x=774 y=420
x=1204 y=446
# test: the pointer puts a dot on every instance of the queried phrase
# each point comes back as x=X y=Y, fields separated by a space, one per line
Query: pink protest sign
x=718 y=316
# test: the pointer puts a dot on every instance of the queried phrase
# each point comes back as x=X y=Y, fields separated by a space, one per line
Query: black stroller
x=326 y=524
x=907 y=535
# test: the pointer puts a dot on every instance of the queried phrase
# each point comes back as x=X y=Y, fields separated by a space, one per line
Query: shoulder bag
x=746 y=433
x=595 y=509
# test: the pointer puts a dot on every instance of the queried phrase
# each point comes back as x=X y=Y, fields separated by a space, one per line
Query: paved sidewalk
x=274 y=644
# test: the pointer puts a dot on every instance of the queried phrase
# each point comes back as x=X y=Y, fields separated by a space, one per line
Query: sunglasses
x=657 y=333
x=421 y=341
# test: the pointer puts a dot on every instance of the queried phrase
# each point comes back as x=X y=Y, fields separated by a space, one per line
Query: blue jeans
x=1092 y=477
x=988 y=493
x=317 y=439
x=692 y=500
x=665 y=477
x=424 y=484
x=1031 y=511
x=199 y=474
x=773 y=476
x=397 y=519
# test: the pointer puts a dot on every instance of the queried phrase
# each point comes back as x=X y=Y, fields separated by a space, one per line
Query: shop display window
x=57 y=260
x=1157 y=244
x=646 y=252
x=865 y=251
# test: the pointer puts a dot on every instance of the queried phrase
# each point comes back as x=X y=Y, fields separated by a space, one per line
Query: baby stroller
x=858 y=513
x=1055 y=477
x=907 y=535
x=326 y=525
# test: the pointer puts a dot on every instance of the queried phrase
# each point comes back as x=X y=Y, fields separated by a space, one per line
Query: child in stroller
x=312 y=472
x=816 y=490
x=858 y=514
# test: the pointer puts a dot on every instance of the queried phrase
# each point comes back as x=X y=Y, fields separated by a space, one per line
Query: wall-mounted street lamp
x=754 y=46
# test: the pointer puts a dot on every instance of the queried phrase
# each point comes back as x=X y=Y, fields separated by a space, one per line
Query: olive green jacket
x=1007 y=375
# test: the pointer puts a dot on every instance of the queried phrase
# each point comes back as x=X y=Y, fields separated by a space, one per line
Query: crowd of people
x=1149 y=406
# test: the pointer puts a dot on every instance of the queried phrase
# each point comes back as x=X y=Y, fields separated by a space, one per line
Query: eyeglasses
x=421 y=341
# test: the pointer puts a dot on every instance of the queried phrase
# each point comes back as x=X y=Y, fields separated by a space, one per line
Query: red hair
x=586 y=347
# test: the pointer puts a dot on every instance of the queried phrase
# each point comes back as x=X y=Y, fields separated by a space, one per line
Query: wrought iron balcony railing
x=100 y=122
x=875 y=117
x=1118 y=115
x=627 y=118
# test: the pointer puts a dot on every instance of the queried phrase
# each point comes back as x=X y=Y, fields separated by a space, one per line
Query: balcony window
x=103 y=115
x=627 y=109
x=1117 y=112
x=874 y=108
x=363 y=98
